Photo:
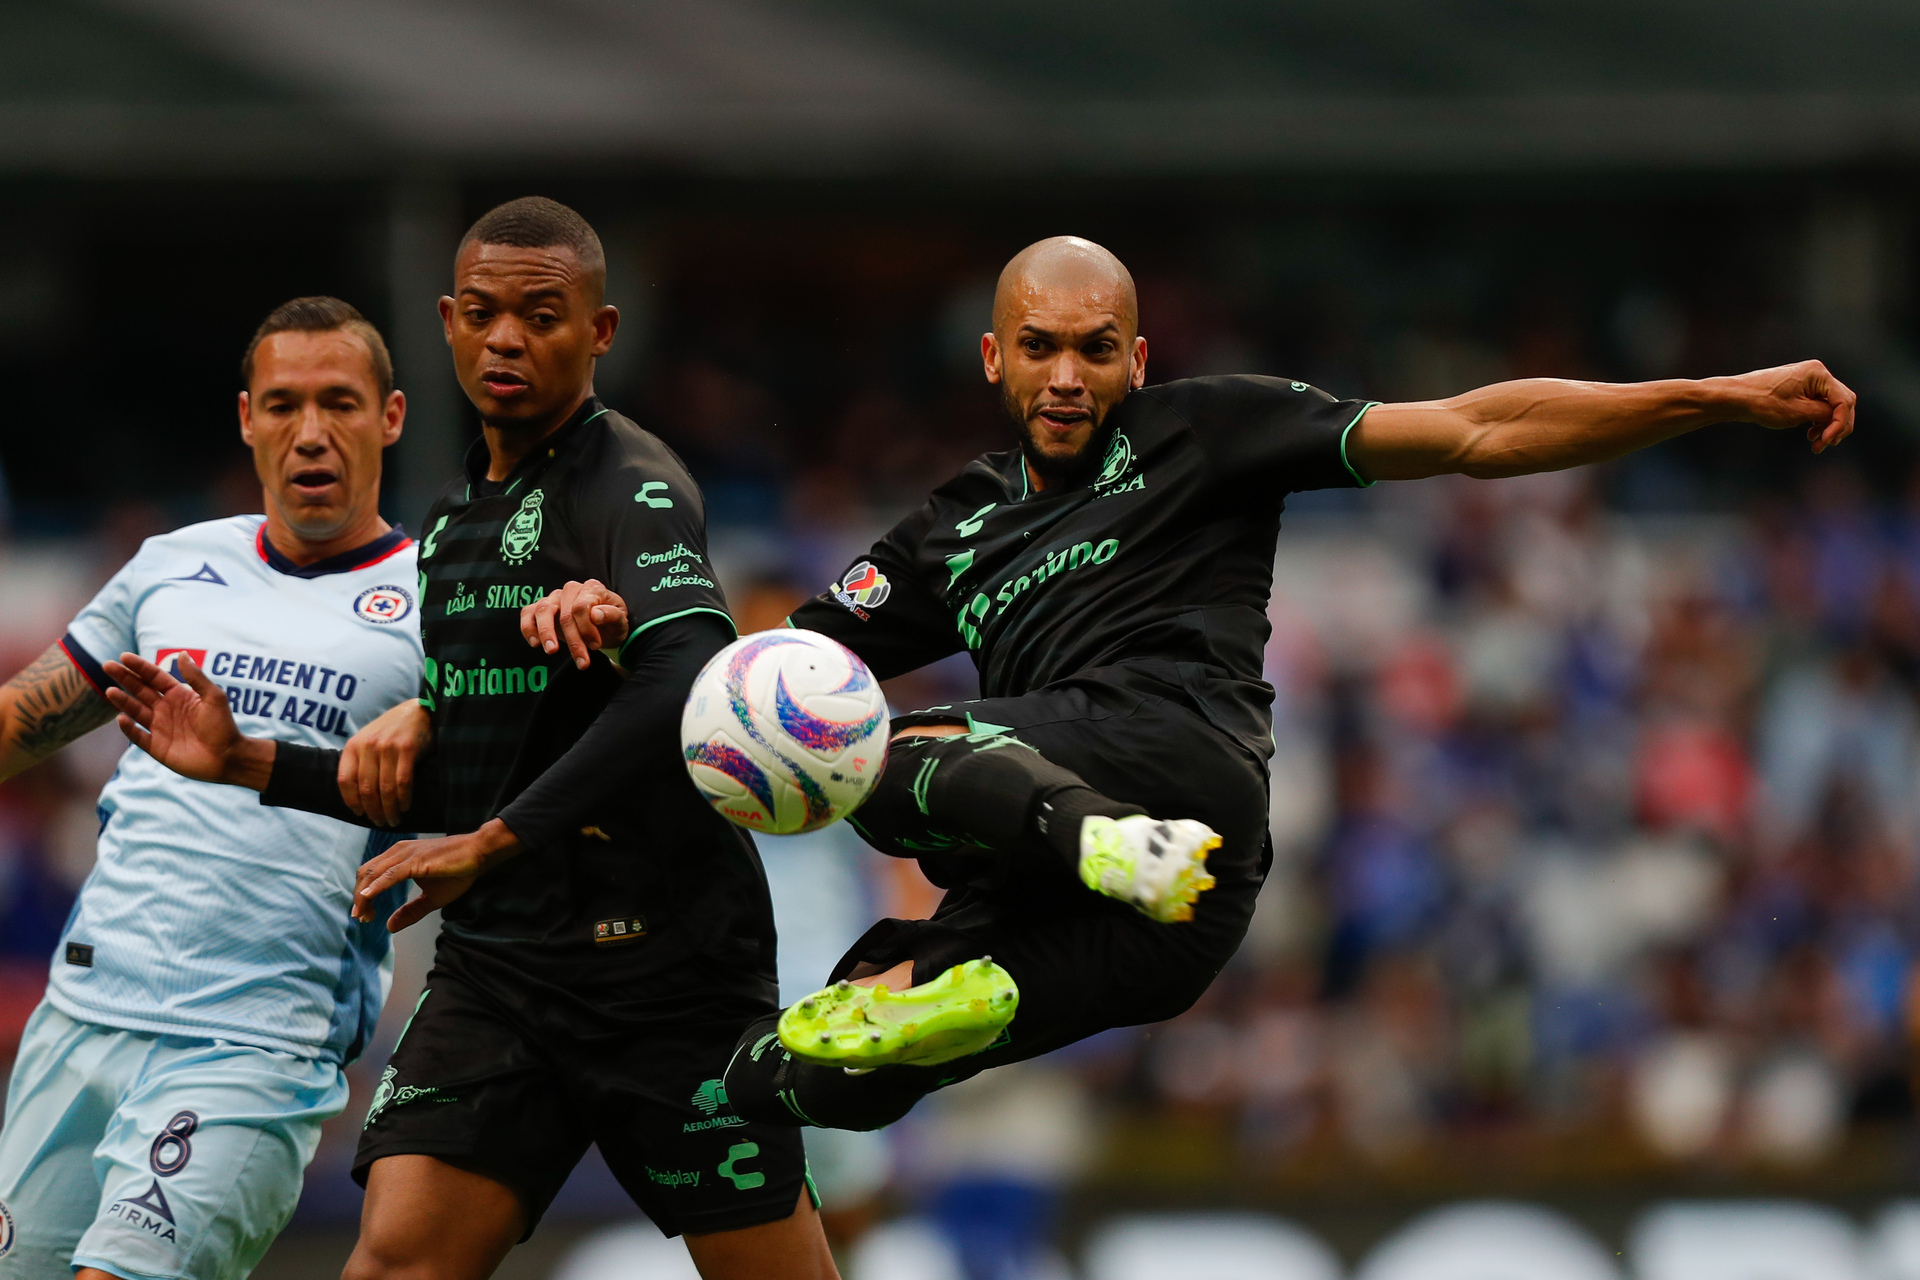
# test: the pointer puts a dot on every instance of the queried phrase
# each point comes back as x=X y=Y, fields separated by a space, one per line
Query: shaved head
x=1065 y=349
x=1062 y=267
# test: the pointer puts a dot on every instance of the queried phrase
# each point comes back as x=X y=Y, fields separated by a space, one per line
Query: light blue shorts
x=152 y=1157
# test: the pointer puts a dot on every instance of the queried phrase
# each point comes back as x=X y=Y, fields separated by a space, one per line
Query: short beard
x=1062 y=473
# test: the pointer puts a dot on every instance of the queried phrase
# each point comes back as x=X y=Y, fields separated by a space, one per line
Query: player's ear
x=246 y=420
x=990 y=356
x=446 y=317
x=606 y=319
x=395 y=415
x=1138 y=378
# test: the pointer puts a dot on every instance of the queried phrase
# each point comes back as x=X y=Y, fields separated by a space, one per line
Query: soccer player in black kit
x=1099 y=815
x=605 y=932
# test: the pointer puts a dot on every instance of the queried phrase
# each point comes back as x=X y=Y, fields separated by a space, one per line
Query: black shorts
x=1085 y=963
x=471 y=1083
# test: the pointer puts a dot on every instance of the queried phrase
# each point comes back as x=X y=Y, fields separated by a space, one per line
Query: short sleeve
x=105 y=628
x=1283 y=436
x=434 y=524
x=882 y=609
x=643 y=521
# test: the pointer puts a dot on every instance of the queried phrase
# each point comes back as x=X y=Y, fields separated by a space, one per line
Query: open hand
x=583 y=615
x=445 y=868
x=185 y=724
x=376 y=766
x=1802 y=395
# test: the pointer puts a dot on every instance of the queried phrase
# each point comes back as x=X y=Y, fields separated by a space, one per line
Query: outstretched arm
x=1547 y=424
x=187 y=726
x=637 y=730
x=44 y=708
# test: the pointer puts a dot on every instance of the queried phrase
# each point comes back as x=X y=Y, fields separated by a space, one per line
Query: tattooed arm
x=43 y=709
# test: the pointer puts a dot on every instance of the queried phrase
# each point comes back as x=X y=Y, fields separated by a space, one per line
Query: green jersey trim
x=669 y=617
x=1358 y=479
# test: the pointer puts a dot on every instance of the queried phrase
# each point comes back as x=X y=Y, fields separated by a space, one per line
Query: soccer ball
x=785 y=731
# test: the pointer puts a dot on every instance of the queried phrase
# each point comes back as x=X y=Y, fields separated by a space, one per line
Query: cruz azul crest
x=521 y=538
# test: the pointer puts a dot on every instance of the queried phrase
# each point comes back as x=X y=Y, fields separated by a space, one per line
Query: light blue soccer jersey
x=209 y=914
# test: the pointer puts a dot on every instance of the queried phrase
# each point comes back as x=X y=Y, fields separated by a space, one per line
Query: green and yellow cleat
x=960 y=1012
x=1158 y=867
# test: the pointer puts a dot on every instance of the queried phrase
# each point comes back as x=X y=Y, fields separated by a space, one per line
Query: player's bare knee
x=387 y=1257
x=369 y=1262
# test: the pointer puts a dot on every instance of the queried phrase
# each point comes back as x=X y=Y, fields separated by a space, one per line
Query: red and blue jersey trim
x=89 y=666
x=365 y=556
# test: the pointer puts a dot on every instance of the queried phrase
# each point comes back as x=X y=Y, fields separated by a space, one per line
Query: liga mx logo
x=866 y=585
x=383 y=605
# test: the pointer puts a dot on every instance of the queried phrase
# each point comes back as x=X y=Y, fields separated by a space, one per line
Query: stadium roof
x=879 y=86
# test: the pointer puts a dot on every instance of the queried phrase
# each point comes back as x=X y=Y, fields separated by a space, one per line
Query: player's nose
x=310 y=431
x=505 y=337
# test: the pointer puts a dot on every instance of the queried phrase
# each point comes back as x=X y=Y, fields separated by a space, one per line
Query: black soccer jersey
x=600 y=498
x=1156 y=570
x=658 y=877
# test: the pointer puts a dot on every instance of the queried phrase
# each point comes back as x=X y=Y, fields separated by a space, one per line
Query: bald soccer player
x=1099 y=817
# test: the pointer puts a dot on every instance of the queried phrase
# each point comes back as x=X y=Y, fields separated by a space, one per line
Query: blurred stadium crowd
x=1594 y=803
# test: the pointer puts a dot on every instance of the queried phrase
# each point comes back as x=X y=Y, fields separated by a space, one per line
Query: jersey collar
x=363 y=556
x=478 y=459
x=1020 y=483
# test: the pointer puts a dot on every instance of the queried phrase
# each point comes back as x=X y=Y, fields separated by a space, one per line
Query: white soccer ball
x=785 y=731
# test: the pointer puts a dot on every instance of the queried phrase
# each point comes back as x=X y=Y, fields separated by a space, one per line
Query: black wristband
x=306 y=778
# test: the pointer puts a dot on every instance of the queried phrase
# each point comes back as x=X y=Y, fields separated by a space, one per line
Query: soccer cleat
x=1156 y=866
x=960 y=1012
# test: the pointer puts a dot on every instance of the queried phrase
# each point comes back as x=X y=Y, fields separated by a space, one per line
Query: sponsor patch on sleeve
x=864 y=588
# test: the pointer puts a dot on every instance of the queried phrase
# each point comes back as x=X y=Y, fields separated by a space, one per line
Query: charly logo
x=383 y=605
x=742 y=1181
x=7 y=1233
x=1119 y=458
x=521 y=538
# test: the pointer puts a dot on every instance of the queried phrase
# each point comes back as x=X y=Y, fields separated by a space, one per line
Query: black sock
x=1059 y=815
x=994 y=791
x=768 y=1085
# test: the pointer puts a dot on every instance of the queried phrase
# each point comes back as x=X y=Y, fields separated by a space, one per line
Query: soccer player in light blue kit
x=210 y=985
